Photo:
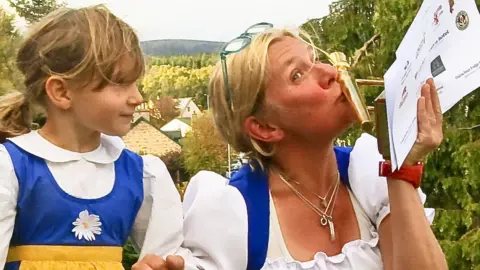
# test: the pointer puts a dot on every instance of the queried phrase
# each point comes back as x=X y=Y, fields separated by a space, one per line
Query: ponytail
x=15 y=115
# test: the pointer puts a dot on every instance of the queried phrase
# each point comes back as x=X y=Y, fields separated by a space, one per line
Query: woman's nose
x=325 y=74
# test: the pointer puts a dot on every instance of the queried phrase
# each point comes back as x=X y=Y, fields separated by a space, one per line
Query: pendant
x=323 y=220
x=332 y=229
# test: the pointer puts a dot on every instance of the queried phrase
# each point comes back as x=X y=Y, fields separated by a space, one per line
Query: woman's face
x=303 y=97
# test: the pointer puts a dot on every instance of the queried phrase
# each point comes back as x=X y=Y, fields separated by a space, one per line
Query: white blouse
x=159 y=223
x=216 y=229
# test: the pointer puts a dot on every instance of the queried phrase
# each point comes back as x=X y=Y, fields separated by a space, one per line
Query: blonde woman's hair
x=86 y=47
x=247 y=77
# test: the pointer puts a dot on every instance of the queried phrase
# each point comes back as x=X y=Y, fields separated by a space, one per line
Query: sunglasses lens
x=236 y=45
x=256 y=29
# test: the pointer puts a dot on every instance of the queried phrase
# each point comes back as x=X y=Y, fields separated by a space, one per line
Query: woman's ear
x=58 y=92
x=262 y=131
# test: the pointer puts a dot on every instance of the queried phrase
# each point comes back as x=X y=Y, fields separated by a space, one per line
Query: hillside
x=169 y=47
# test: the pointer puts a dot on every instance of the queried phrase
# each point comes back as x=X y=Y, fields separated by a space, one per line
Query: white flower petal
x=91 y=236
x=94 y=224
x=93 y=218
x=84 y=215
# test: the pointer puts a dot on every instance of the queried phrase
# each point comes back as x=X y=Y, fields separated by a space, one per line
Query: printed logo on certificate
x=437 y=67
x=462 y=20
x=451 y=3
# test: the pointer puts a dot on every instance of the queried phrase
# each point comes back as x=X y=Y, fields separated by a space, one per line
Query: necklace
x=325 y=218
x=322 y=199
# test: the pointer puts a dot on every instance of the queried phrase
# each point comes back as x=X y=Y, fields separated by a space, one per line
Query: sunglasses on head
x=236 y=45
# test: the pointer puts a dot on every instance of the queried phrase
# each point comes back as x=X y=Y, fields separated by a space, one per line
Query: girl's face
x=108 y=110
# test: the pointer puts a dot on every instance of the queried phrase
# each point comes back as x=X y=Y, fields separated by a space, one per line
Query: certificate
x=442 y=43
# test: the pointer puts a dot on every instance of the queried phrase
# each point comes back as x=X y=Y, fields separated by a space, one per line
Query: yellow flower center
x=85 y=225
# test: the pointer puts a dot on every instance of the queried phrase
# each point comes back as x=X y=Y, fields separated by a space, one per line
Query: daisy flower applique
x=86 y=226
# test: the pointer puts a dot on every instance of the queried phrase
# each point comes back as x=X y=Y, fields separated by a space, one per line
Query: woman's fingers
x=141 y=266
x=422 y=119
x=151 y=262
x=175 y=262
x=437 y=108
x=429 y=120
x=426 y=93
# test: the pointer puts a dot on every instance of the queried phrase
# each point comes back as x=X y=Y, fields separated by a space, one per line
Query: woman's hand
x=154 y=262
x=430 y=120
x=406 y=238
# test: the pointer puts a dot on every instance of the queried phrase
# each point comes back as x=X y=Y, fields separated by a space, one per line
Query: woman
x=303 y=203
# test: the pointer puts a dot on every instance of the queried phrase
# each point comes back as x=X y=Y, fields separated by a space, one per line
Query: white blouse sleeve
x=371 y=190
x=216 y=223
x=8 y=202
x=159 y=222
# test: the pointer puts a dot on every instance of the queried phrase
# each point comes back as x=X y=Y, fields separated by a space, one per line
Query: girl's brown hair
x=87 y=47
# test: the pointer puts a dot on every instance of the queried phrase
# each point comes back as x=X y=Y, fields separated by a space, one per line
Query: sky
x=214 y=20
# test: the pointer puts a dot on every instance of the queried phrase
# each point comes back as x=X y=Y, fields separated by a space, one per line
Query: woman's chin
x=338 y=128
x=347 y=125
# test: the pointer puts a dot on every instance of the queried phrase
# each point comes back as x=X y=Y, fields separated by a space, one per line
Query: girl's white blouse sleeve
x=369 y=189
x=159 y=222
x=8 y=202
x=215 y=223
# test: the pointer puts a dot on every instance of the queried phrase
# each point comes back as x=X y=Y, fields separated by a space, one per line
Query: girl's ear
x=58 y=93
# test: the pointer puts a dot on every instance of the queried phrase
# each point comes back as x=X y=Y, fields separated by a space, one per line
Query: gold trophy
x=350 y=89
x=378 y=127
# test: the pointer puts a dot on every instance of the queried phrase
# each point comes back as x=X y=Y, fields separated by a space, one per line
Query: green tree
x=173 y=161
x=187 y=61
x=204 y=148
x=177 y=82
x=130 y=255
x=10 y=78
x=369 y=31
x=34 y=10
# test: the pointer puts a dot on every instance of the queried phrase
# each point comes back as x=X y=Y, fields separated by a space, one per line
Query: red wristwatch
x=411 y=174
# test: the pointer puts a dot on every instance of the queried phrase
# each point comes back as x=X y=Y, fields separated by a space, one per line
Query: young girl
x=70 y=193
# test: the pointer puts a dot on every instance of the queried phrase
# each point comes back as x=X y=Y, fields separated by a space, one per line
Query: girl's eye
x=297 y=75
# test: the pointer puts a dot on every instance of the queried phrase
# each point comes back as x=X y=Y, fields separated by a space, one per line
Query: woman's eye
x=297 y=75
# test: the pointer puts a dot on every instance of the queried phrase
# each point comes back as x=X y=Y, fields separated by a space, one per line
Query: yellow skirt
x=66 y=257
